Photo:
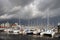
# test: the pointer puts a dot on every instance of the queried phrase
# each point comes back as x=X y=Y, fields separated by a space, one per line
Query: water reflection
x=24 y=37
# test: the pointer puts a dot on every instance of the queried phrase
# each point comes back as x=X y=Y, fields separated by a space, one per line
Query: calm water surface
x=4 y=36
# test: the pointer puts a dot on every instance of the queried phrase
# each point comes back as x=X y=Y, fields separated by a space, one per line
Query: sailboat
x=48 y=32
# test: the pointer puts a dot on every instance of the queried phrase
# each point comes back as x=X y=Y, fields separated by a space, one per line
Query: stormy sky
x=29 y=9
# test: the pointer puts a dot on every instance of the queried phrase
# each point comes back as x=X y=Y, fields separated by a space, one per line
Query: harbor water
x=4 y=36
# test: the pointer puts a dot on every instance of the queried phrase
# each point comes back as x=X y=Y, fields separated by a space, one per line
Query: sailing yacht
x=11 y=31
x=36 y=32
x=48 y=32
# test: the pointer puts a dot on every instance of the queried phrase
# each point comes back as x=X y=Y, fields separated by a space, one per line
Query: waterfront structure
x=7 y=24
x=2 y=25
x=15 y=25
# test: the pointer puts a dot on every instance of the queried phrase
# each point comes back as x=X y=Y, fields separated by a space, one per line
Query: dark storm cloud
x=28 y=9
x=21 y=2
x=5 y=5
x=51 y=4
x=56 y=4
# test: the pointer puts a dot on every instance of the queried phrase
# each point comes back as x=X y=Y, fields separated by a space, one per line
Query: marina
x=18 y=30
x=29 y=19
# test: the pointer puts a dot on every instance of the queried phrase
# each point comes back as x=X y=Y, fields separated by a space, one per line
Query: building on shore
x=2 y=25
x=7 y=24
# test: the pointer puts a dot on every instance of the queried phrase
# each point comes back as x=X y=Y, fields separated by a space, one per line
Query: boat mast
x=47 y=18
x=19 y=22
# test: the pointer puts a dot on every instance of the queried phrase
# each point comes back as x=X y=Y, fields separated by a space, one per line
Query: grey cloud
x=21 y=2
x=5 y=5
x=28 y=9
x=43 y=5
x=51 y=4
x=56 y=4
